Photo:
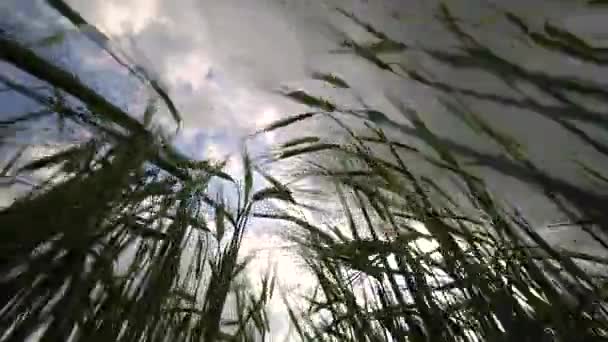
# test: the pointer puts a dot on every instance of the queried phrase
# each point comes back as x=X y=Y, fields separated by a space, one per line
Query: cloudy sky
x=223 y=61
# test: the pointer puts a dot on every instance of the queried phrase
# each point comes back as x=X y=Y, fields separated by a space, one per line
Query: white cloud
x=220 y=59
x=216 y=152
x=266 y=117
x=115 y=17
x=190 y=69
x=272 y=252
